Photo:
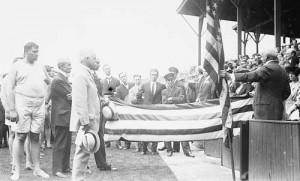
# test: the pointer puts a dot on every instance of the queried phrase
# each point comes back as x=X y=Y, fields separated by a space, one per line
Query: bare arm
x=10 y=86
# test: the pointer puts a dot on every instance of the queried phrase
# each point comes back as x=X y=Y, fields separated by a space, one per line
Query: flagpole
x=231 y=153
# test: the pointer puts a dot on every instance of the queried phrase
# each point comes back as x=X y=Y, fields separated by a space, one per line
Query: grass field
x=131 y=166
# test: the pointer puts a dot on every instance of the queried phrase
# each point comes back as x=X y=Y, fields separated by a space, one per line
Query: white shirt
x=151 y=83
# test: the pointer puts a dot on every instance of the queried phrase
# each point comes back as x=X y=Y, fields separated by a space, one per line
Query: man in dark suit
x=171 y=95
x=60 y=114
x=110 y=84
x=122 y=93
x=100 y=155
x=184 y=144
x=271 y=90
x=152 y=95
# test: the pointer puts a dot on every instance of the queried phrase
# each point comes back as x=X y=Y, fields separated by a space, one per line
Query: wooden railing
x=265 y=150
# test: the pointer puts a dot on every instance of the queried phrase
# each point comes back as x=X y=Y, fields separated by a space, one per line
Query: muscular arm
x=10 y=85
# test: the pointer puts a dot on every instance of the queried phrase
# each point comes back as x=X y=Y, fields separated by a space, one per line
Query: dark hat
x=173 y=69
x=169 y=76
x=297 y=72
x=290 y=69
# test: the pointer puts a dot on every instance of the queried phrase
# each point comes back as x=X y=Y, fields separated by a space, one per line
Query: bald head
x=270 y=54
x=88 y=58
x=85 y=54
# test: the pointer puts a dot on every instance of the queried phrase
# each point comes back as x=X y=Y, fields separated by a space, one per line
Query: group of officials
x=76 y=107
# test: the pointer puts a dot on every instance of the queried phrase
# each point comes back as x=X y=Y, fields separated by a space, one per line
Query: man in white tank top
x=26 y=100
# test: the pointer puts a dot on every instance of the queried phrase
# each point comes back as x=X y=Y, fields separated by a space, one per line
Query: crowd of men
x=39 y=101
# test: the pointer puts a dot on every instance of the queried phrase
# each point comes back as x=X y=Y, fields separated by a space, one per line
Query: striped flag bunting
x=177 y=122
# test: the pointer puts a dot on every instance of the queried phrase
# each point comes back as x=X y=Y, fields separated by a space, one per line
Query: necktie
x=108 y=81
x=152 y=89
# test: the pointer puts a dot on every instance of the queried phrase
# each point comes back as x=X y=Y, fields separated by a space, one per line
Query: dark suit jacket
x=149 y=98
x=270 y=92
x=179 y=84
x=61 y=106
x=114 y=83
x=176 y=93
x=244 y=88
x=122 y=91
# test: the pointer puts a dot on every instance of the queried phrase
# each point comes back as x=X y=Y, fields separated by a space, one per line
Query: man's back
x=270 y=92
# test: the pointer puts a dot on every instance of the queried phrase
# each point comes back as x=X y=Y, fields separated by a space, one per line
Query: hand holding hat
x=110 y=111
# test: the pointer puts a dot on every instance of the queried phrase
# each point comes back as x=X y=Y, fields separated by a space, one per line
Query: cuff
x=232 y=76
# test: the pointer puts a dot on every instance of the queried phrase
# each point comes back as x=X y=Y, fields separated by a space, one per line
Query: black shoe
x=143 y=153
x=162 y=148
x=67 y=170
x=119 y=147
x=177 y=151
x=169 y=153
x=190 y=154
x=107 y=168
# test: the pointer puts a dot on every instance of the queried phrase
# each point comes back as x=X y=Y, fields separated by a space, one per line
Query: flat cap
x=169 y=76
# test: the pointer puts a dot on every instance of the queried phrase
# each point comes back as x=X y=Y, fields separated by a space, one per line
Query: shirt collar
x=270 y=61
x=124 y=84
x=86 y=68
x=63 y=73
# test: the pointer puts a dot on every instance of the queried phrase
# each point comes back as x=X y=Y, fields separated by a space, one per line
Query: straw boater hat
x=90 y=142
x=110 y=112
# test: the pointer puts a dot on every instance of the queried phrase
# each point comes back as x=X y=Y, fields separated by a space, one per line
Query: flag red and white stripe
x=178 y=122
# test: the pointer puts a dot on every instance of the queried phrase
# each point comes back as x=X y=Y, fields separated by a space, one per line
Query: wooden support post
x=244 y=150
x=201 y=18
x=239 y=29
x=257 y=37
x=277 y=22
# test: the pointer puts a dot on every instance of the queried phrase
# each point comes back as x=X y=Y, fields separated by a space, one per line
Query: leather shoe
x=60 y=175
x=69 y=170
x=154 y=153
x=126 y=148
x=143 y=153
x=107 y=168
x=169 y=153
x=162 y=148
x=119 y=147
x=190 y=154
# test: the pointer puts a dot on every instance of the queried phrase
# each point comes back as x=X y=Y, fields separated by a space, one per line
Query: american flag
x=173 y=122
x=214 y=61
